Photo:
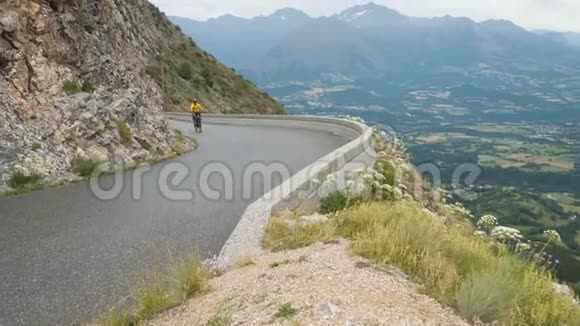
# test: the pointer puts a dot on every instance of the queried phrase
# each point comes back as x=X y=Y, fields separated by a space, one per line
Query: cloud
x=532 y=14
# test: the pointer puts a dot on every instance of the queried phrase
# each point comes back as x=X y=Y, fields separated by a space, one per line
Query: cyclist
x=196 y=114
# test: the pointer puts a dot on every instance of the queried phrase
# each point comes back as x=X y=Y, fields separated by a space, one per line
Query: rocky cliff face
x=91 y=78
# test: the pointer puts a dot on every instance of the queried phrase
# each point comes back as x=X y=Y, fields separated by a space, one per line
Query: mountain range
x=370 y=38
x=371 y=55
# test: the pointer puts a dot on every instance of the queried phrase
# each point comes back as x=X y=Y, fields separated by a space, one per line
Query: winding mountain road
x=65 y=255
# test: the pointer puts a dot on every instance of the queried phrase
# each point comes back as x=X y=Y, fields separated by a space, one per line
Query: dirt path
x=319 y=285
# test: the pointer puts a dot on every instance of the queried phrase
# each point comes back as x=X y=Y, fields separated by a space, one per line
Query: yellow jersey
x=195 y=107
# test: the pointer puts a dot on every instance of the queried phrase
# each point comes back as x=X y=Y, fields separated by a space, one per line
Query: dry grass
x=481 y=280
x=186 y=278
x=282 y=235
x=244 y=261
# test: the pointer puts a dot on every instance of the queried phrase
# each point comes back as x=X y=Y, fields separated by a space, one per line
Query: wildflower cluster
x=481 y=234
x=489 y=228
x=487 y=223
x=363 y=184
x=552 y=236
x=32 y=166
x=523 y=247
x=506 y=234
x=368 y=184
x=328 y=186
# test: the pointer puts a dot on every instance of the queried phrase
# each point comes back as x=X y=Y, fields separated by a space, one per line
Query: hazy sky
x=562 y=15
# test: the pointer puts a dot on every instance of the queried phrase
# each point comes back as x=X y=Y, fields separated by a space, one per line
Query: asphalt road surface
x=65 y=255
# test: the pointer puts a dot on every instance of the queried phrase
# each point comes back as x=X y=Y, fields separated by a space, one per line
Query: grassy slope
x=481 y=280
x=184 y=71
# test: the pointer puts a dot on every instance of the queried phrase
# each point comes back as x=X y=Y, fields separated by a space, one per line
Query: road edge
x=248 y=233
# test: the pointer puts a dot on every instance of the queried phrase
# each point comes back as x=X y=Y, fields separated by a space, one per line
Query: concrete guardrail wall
x=248 y=233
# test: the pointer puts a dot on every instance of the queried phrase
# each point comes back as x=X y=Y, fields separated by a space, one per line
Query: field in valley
x=530 y=177
x=530 y=171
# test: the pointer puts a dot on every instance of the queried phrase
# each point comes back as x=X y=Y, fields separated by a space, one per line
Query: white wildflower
x=481 y=234
x=398 y=193
x=329 y=186
x=487 y=223
x=506 y=234
x=387 y=187
x=552 y=236
x=523 y=247
x=32 y=165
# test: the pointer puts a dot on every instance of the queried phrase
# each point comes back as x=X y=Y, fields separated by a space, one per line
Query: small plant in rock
x=180 y=144
x=87 y=87
x=286 y=311
x=29 y=172
x=333 y=203
x=125 y=133
x=19 y=180
x=71 y=87
x=85 y=167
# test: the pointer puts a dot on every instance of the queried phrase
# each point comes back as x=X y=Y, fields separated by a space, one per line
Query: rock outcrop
x=73 y=73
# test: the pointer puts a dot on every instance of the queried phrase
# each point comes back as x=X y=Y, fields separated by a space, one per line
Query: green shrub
x=180 y=144
x=120 y=316
x=152 y=299
x=19 y=180
x=286 y=311
x=87 y=87
x=333 y=203
x=125 y=133
x=188 y=277
x=388 y=171
x=486 y=296
x=205 y=73
x=71 y=87
x=84 y=167
x=185 y=70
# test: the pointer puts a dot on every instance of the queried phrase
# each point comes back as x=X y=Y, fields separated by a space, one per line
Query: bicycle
x=197 y=122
